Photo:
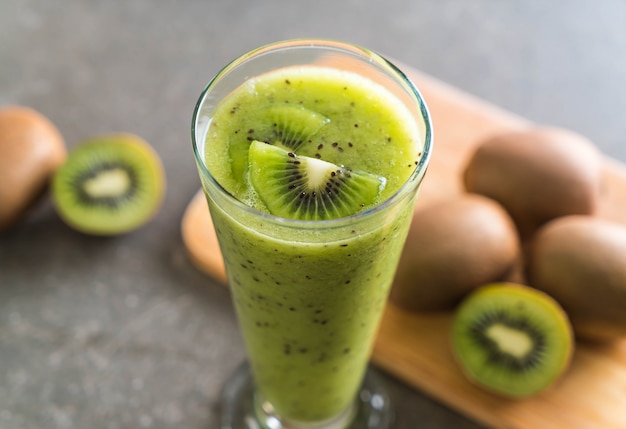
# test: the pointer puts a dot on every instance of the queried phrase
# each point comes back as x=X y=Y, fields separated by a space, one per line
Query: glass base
x=371 y=410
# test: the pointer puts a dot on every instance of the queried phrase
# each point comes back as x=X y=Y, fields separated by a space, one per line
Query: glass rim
x=416 y=176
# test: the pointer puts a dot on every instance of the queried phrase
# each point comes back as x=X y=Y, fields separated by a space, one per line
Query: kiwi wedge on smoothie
x=286 y=125
x=306 y=188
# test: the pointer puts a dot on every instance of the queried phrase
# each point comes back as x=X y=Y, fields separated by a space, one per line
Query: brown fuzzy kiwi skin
x=31 y=149
x=581 y=262
x=453 y=247
x=537 y=174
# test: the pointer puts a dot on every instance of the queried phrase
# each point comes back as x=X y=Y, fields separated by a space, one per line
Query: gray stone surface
x=108 y=333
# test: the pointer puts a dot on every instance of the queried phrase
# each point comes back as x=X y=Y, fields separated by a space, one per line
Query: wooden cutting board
x=415 y=348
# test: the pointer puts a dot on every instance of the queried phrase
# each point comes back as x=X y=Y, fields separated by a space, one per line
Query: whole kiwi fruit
x=31 y=149
x=537 y=174
x=453 y=247
x=581 y=262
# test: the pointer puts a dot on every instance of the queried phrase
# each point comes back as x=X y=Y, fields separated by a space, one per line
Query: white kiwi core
x=108 y=183
x=317 y=172
x=510 y=340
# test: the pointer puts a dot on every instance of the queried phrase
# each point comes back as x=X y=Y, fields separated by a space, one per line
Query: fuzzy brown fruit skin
x=453 y=247
x=581 y=262
x=31 y=149
x=537 y=175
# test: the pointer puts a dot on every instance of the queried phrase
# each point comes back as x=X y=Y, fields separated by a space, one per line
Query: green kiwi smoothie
x=309 y=294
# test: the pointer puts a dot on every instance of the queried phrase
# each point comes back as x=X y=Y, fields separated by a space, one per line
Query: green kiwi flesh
x=512 y=339
x=280 y=124
x=305 y=188
x=110 y=184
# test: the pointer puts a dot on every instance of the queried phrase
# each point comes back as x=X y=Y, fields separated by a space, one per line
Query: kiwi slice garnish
x=109 y=185
x=512 y=339
x=301 y=187
x=292 y=125
x=281 y=124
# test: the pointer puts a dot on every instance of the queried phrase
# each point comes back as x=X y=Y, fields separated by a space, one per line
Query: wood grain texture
x=415 y=348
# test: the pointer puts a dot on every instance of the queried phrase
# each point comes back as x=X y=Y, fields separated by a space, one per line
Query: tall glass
x=308 y=295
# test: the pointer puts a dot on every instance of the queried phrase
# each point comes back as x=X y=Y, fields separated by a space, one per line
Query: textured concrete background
x=124 y=332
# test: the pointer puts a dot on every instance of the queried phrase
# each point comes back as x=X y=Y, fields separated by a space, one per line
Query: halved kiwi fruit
x=110 y=184
x=512 y=339
x=280 y=124
x=301 y=187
